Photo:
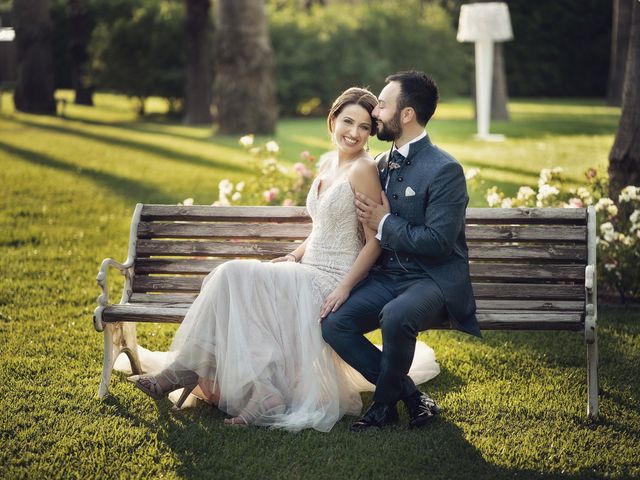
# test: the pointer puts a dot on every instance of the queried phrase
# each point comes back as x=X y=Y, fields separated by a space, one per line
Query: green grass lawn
x=514 y=403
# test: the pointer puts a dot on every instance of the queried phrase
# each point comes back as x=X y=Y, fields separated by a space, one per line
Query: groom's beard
x=391 y=130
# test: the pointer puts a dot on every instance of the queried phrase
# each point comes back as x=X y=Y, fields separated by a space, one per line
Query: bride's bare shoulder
x=365 y=165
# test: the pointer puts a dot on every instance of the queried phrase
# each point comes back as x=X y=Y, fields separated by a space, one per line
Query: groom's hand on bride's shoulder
x=370 y=212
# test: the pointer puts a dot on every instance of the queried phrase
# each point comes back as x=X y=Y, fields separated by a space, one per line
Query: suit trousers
x=401 y=304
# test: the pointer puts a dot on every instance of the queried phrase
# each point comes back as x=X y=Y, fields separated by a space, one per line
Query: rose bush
x=272 y=183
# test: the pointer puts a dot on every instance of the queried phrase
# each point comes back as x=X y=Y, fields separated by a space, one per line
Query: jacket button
x=386 y=244
x=395 y=196
x=395 y=213
x=408 y=162
x=400 y=179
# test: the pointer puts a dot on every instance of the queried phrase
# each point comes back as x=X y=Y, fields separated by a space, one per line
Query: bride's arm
x=364 y=179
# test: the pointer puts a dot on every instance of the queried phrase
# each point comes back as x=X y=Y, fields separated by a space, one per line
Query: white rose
x=272 y=147
x=246 y=140
x=225 y=187
x=471 y=173
x=507 y=203
x=525 y=193
x=236 y=196
x=612 y=210
x=627 y=194
x=240 y=186
x=603 y=203
x=493 y=199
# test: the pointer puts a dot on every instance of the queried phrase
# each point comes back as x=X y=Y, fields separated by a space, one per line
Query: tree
x=244 y=86
x=198 y=88
x=34 y=91
x=624 y=159
x=80 y=24
x=619 y=46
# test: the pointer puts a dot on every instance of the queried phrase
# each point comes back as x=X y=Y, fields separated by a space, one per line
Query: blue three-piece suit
x=420 y=280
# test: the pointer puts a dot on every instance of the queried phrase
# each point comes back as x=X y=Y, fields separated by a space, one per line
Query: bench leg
x=118 y=338
x=592 y=379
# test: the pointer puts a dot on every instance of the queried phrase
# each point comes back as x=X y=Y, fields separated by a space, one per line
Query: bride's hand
x=334 y=300
x=287 y=258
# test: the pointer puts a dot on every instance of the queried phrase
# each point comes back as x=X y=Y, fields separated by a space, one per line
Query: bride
x=252 y=342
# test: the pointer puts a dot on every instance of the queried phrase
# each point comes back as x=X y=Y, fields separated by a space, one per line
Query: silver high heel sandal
x=176 y=379
x=272 y=404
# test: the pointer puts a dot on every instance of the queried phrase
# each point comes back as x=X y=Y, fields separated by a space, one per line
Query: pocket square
x=409 y=192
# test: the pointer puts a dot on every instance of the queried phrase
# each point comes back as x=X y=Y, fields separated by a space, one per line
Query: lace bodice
x=336 y=237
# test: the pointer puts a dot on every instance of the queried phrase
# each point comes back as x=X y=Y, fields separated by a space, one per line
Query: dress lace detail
x=336 y=236
x=252 y=334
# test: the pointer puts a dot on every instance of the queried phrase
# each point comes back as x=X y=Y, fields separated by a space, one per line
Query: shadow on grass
x=126 y=188
x=142 y=146
x=205 y=448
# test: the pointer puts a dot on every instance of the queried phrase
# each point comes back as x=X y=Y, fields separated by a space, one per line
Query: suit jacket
x=428 y=199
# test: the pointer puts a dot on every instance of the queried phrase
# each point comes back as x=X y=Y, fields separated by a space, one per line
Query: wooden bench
x=532 y=269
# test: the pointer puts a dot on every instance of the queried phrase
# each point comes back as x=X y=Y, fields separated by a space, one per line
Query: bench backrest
x=522 y=260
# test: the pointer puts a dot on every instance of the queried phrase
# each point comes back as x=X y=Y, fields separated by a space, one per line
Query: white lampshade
x=484 y=21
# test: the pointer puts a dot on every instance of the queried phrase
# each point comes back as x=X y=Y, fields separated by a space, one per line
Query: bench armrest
x=101 y=278
x=589 y=277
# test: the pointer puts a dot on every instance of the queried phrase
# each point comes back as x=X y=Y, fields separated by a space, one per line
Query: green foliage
x=323 y=52
x=560 y=48
x=142 y=53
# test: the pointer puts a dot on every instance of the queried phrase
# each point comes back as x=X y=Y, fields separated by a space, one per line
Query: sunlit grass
x=514 y=403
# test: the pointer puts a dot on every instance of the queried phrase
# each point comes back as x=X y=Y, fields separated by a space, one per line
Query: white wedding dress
x=253 y=337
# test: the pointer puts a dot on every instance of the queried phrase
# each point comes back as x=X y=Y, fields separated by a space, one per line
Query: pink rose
x=287 y=203
x=575 y=203
x=269 y=196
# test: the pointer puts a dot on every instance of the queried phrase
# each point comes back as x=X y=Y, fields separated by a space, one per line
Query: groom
x=421 y=279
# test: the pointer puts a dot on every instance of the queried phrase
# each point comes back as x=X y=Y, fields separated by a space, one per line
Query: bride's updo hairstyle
x=354 y=96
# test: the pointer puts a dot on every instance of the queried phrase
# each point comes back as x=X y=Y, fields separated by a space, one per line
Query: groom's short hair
x=418 y=91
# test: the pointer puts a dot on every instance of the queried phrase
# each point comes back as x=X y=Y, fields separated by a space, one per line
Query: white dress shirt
x=404 y=151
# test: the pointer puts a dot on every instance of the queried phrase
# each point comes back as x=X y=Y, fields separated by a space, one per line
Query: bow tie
x=395 y=160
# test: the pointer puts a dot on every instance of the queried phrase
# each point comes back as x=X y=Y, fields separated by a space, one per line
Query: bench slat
x=218 y=249
x=479 y=271
x=534 y=254
x=270 y=249
x=298 y=231
x=488 y=320
x=526 y=272
x=206 y=213
x=527 y=233
x=496 y=233
x=532 y=305
x=569 y=216
x=500 y=291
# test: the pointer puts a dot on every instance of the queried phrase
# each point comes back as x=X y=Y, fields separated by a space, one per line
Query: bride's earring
x=366 y=147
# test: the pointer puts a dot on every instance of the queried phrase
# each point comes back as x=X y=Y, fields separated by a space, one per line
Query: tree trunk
x=624 y=159
x=81 y=26
x=244 y=87
x=35 y=85
x=499 y=96
x=619 y=48
x=198 y=88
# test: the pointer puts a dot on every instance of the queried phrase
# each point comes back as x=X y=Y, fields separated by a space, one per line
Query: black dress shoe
x=378 y=415
x=422 y=409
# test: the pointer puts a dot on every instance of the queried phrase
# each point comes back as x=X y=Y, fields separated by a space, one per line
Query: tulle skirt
x=253 y=337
